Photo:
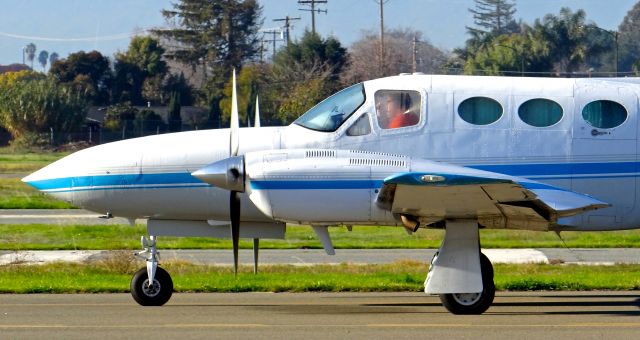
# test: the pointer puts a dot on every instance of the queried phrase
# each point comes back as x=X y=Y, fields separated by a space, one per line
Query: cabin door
x=604 y=161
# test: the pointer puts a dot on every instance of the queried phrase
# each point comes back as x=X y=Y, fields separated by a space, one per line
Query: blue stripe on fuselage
x=163 y=180
x=115 y=180
x=571 y=169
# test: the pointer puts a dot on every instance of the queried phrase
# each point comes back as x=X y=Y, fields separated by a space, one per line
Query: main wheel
x=156 y=294
x=473 y=303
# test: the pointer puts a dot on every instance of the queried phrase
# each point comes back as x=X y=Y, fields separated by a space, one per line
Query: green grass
x=14 y=194
x=55 y=237
x=399 y=276
x=17 y=195
x=12 y=161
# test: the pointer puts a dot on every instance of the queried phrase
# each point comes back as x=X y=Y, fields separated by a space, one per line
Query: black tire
x=151 y=297
x=473 y=303
x=486 y=267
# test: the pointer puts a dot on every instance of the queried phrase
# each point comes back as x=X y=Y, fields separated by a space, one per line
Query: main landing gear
x=473 y=303
x=459 y=273
x=151 y=286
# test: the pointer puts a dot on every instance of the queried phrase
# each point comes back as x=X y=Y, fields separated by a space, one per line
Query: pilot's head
x=397 y=102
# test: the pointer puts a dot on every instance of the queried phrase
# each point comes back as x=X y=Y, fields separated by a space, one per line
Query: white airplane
x=454 y=152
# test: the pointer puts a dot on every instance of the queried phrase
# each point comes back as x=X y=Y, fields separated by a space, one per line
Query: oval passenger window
x=540 y=112
x=480 y=110
x=604 y=114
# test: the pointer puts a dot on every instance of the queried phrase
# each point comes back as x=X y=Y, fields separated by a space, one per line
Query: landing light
x=432 y=178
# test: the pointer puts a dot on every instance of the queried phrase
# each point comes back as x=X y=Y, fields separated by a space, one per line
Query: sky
x=67 y=26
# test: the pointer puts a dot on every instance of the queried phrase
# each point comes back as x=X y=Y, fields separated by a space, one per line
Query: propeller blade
x=234 y=212
x=234 y=127
x=256 y=249
x=257 y=119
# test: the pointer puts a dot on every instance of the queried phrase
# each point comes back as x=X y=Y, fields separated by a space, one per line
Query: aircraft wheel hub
x=467 y=299
x=151 y=290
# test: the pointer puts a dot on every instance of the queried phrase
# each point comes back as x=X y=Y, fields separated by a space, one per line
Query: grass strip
x=396 y=277
x=14 y=194
x=12 y=161
x=85 y=237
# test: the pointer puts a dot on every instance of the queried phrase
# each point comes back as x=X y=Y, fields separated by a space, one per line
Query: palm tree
x=43 y=58
x=30 y=50
x=53 y=57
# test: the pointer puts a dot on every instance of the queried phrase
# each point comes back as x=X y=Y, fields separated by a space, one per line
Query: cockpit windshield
x=330 y=113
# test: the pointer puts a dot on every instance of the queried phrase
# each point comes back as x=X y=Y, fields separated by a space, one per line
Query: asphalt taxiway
x=531 y=315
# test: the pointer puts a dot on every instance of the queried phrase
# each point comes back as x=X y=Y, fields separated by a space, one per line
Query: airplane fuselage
x=150 y=177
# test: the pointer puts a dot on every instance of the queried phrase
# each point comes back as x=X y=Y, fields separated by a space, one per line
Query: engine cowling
x=312 y=186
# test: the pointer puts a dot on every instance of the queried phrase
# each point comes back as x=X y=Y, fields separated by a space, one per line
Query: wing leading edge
x=495 y=200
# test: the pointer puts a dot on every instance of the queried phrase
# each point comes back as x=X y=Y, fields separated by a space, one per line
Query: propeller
x=234 y=197
x=230 y=174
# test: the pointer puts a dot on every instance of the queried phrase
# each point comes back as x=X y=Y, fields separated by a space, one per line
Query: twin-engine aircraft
x=454 y=152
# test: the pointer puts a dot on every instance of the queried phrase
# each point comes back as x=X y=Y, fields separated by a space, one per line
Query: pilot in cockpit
x=397 y=111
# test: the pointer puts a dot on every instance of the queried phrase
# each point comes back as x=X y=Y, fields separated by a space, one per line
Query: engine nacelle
x=320 y=186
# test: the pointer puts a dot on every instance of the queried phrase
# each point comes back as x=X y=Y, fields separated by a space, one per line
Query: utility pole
x=414 y=65
x=381 y=56
x=262 y=41
x=313 y=10
x=273 y=39
x=287 y=26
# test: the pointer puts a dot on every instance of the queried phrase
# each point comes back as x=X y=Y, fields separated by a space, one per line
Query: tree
x=29 y=108
x=494 y=16
x=11 y=78
x=43 y=58
x=148 y=122
x=174 y=118
x=53 y=57
x=399 y=55
x=251 y=81
x=120 y=117
x=313 y=50
x=629 y=35
x=513 y=54
x=90 y=72
x=30 y=50
x=215 y=36
x=140 y=69
x=567 y=36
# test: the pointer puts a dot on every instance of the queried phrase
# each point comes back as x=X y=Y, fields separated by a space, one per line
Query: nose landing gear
x=151 y=286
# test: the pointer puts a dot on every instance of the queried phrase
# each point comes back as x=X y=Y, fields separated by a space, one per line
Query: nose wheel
x=152 y=285
x=151 y=293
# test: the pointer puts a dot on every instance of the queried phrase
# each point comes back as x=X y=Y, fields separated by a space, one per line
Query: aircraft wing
x=495 y=200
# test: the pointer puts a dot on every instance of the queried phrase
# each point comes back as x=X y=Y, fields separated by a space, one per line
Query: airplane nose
x=48 y=178
x=226 y=174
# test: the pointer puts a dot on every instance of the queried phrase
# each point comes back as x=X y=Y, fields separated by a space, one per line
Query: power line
x=313 y=10
x=287 y=26
x=119 y=36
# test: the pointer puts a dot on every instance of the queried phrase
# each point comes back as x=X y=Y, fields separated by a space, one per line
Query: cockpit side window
x=330 y=113
x=397 y=109
x=361 y=127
